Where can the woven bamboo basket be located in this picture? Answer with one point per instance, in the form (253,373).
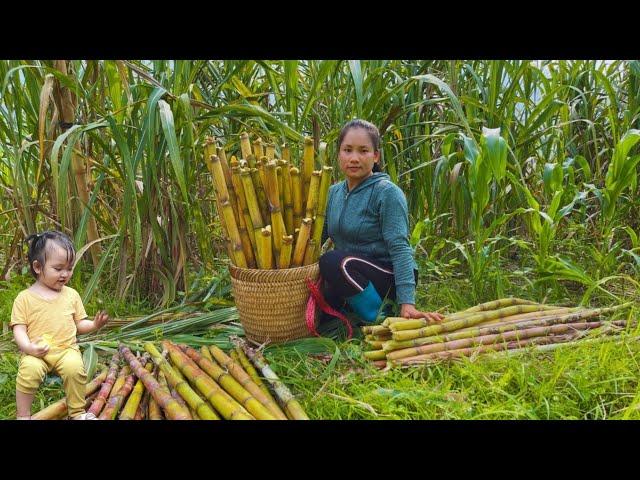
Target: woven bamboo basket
(272,303)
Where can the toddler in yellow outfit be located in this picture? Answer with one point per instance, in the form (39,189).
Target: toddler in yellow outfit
(45,319)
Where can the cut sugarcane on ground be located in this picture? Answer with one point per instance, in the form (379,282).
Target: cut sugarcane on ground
(272,211)
(182,383)
(504,324)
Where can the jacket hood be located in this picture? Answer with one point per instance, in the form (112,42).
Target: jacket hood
(369,181)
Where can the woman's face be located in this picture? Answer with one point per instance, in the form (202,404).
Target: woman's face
(357,156)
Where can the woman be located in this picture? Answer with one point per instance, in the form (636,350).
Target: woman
(367,220)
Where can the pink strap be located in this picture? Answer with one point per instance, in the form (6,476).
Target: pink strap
(316,299)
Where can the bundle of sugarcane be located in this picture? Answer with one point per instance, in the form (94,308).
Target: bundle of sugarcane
(503,324)
(272,208)
(181,383)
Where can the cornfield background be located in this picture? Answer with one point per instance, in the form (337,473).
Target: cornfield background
(521,176)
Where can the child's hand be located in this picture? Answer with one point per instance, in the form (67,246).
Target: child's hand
(101,319)
(37,349)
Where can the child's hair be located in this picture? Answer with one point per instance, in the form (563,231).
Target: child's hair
(38,247)
(372,131)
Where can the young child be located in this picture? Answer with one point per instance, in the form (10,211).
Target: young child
(45,319)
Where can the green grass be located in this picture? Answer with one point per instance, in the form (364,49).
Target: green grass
(578,382)
(597,380)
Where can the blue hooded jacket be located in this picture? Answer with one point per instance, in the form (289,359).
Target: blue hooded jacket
(373,220)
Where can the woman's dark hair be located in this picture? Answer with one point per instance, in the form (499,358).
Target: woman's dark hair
(372,131)
(38,247)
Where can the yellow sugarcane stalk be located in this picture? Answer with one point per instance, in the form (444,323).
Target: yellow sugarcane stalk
(296,194)
(206,353)
(280,186)
(238,355)
(270,151)
(307,165)
(323,195)
(243,208)
(291,406)
(224,203)
(192,399)
(235,369)
(301,242)
(310,252)
(245,238)
(258,185)
(162,397)
(245,145)
(287,199)
(312,194)
(262,171)
(223,403)
(467,321)
(285,251)
(258,151)
(285,153)
(226,170)
(230,385)
(252,205)
(131,407)
(162,380)
(277,222)
(265,249)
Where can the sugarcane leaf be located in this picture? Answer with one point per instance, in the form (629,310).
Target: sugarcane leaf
(326,66)
(244,110)
(455,103)
(291,84)
(86,247)
(356,75)
(168,127)
(90,360)
(93,281)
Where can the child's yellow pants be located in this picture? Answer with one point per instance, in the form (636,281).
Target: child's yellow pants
(67,363)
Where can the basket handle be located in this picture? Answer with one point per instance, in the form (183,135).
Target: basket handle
(316,299)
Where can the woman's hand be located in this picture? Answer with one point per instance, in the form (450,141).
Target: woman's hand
(100,320)
(407,310)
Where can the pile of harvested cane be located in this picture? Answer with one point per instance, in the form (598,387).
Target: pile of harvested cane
(181,383)
(271,211)
(505,324)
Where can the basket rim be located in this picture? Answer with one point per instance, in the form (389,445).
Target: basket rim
(292,269)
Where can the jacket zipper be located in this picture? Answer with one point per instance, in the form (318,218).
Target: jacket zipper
(346,198)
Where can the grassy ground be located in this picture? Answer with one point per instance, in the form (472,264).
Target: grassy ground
(593,380)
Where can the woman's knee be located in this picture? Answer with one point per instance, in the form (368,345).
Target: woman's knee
(329,263)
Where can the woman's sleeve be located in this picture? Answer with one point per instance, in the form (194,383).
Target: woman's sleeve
(394,219)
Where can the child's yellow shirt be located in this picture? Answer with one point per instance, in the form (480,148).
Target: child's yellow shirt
(56,318)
